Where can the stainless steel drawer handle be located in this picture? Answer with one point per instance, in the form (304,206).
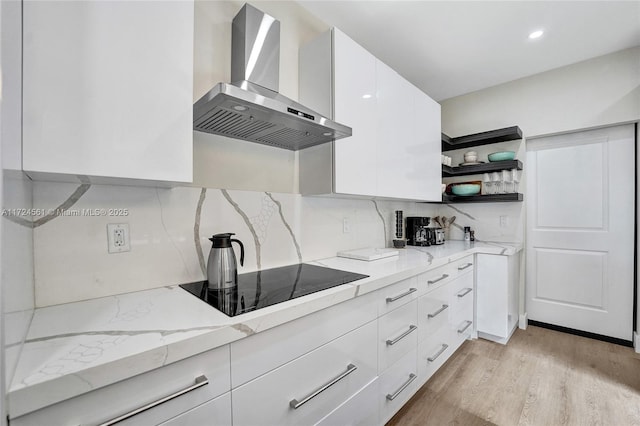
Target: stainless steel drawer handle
(462,268)
(439,279)
(392,396)
(435,314)
(400,296)
(465,291)
(467,324)
(391,342)
(442,349)
(295,404)
(199,382)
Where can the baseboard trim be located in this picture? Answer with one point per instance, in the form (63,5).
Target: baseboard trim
(523,321)
(636,341)
(615,340)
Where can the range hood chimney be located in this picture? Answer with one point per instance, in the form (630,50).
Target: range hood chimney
(250,108)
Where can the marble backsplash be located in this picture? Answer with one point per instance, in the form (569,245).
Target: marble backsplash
(169,231)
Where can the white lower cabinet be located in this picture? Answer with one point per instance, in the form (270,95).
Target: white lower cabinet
(360,409)
(308,388)
(215,412)
(397,384)
(433,352)
(264,351)
(397,334)
(445,317)
(497,300)
(176,389)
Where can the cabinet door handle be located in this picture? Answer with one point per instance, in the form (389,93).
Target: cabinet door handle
(465,291)
(462,268)
(435,314)
(199,382)
(295,404)
(391,342)
(392,396)
(439,279)
(400,296)
(467,324)
(442,349)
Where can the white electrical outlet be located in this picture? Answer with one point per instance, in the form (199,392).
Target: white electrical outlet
(504,221)
(346,226)
(118,237)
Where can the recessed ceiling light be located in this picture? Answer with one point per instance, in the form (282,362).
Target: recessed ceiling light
(240,107)
(366,96)
(327,133)
(536,34)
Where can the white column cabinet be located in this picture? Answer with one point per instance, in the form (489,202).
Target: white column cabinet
(394,151)
(108,89)
(497,296)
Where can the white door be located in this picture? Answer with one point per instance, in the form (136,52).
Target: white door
(580,231)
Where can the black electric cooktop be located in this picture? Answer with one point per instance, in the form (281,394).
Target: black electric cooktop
(270,286)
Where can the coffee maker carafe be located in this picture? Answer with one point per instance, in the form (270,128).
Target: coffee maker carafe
(222,269)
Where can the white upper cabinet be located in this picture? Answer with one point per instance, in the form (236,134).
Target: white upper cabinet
(396,137)
(423,163)
(354,82)
(108,89)
(394,151)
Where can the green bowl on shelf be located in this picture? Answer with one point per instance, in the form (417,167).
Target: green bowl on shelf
(501,156)
(466,189)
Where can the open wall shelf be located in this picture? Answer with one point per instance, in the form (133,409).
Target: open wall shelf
(494,198)
(475,169)
(478,139)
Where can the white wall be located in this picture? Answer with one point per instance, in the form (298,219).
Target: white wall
(592,93)
(221,162)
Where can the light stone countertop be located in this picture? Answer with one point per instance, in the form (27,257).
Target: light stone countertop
(77,347)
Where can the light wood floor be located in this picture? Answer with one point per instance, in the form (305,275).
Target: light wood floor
(541,377)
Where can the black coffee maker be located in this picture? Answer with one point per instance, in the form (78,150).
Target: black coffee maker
(418,232)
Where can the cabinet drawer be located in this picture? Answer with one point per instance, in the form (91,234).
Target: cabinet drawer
(433,352)
(315,383)
(436,278)
(463,329)
(128,395)
(462,266)
(396,295)
(397,385)
(267,350)
(215,412)
(461,293)
(433,312)
(397,334)
(360,409)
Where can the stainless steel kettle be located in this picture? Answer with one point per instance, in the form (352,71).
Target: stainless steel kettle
(222,269)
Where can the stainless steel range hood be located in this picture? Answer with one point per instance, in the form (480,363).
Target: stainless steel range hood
(250,108)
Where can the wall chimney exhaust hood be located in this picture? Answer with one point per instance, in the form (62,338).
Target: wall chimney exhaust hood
(250,108)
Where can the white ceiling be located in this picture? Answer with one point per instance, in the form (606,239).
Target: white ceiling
(448,48)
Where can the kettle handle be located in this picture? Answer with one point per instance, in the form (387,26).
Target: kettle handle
(233,240)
